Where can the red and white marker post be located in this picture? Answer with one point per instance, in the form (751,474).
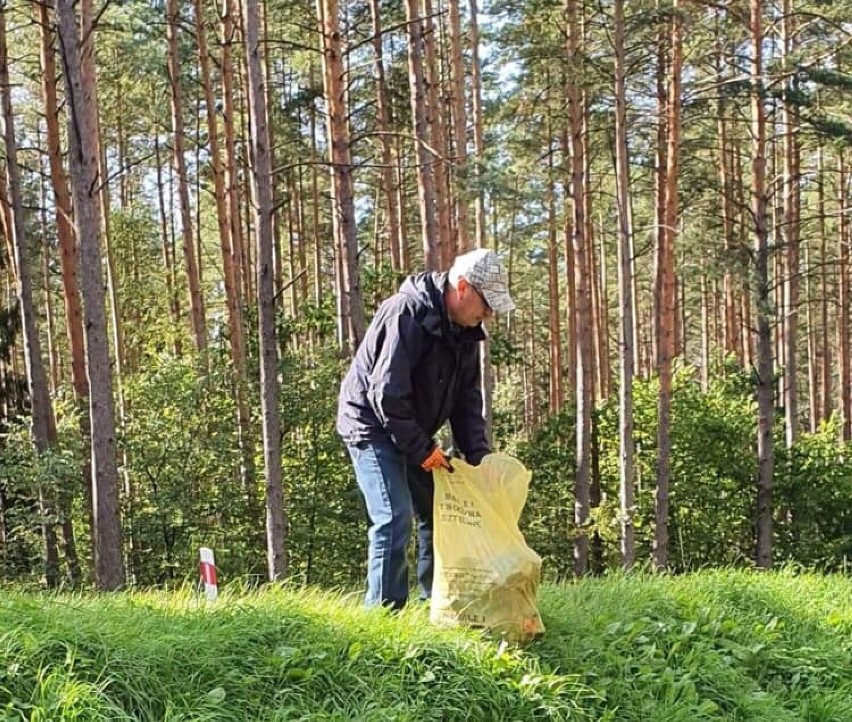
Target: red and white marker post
(207,571)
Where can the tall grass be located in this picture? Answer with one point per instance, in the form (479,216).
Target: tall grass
(714,645)
(273,655)
(731,645)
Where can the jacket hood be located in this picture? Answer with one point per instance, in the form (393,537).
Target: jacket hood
(427,291)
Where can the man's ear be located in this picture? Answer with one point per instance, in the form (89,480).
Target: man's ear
(462,286)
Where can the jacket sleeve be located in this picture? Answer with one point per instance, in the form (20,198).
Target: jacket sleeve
(467,420)
(389,389)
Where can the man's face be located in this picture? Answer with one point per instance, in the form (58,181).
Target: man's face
(472,308)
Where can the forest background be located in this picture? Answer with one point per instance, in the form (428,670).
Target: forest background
(203,203)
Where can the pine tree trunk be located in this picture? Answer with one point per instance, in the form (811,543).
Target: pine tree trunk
(315,200)
(233,295)
(811,337)
(477,118)
(584,320)
(276,514)
(383,122)
(825,336)
(791,237)
(661,167)
(843,344)
(417,93)
(591,261)
(83,153)
(603,314)
(436,133)
(570,272)
(196,307)
(459,123)
(554,326)
(765,385)
(168,250)
(665,294)
(67,253)
(48,309)
(341,175)
(43,426)
(626,353)
(89,84)
(233,208)
(732,343)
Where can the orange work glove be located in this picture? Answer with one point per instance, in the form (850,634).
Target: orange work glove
(436,460)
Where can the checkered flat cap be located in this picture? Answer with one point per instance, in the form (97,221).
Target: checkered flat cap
(483,269)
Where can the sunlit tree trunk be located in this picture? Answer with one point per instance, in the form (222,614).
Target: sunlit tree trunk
(479,197)
(303,235)
(625,301)
(477,120)
(233,295)
(168,251)
(765,382)
(417,93)
(661,165)
(585,372)
(231,164)
(43,424)
(591,261)
(89,83)
(459,107)
(554,325)
(315,204)
(825,335)
(843,350)
(276,519)
(745,230)
(777,258)
(731,338)
(791,234)
(383,122)
(343,201)
(811,340)
(68,256)
(665,294)
(401,197)
(48,309)
(570,272)
(83,154)
(244,160)
(196,308)
(436,133)
(291,204)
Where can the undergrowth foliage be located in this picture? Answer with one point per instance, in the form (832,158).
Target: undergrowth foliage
(712,487)
(186,484)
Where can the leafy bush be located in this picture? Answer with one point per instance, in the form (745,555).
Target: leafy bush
(712,481)
(813,500)
(183,471)
(327,519)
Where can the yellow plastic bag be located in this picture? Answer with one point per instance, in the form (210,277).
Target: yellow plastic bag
(485,574)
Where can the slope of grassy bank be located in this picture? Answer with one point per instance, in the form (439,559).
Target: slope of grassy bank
(714,645)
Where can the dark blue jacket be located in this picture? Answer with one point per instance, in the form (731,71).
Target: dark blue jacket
(413,371)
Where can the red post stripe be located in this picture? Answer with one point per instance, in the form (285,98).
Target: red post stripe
(208,573)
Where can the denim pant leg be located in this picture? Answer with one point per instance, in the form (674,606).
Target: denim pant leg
(422,486)
(380,469)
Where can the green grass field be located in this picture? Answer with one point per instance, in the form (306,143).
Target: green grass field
(709,646)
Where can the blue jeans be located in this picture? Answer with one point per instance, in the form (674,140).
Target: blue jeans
(393,490)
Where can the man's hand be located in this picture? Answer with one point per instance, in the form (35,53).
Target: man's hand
(436,460)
